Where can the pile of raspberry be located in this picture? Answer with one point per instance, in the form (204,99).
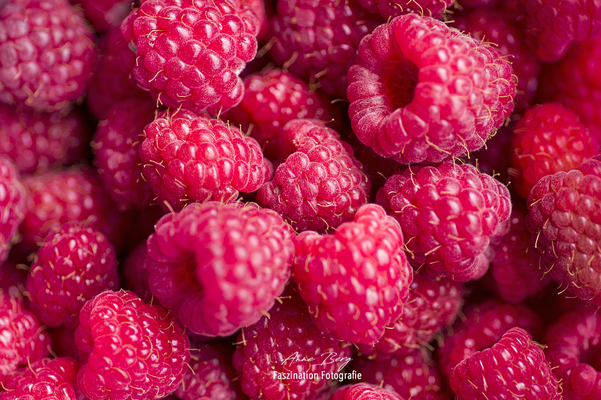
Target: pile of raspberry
(300,200)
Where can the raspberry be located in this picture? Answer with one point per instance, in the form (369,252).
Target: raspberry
(449,214)
(47,54)
(43,379)
(318,40)
(74,264)
(12,205)
(422,92)
(189,53)
(549,138)
(217,266)
(571,341)
(37,142)
(275,356)
(22,340)
(129,349)
(355,281)
(189,157)
(135,275)
(520,370)
(116,151)
(432,304)
(390,9)
(320,184)
(364,391)
(552,26)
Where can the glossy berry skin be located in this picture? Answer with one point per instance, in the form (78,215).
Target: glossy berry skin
(564,220)
(73,265)
(189,53)
(47,54)
(355,281)
(519,369)
(449,214)
(364,391)
(12,205)
(129,349)
(282,342)
(320,184)
(43,379)
(191,157)
(217,266)
(390,9)
(549,138)
(423,92)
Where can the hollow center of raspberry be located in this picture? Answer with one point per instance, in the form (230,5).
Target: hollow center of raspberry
(400,80)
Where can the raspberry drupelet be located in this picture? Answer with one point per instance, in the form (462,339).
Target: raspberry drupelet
(423,92)
(449,214)
(191,157)
(12,205)
(364,391)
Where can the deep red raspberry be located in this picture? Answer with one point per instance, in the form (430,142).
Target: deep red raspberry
(286,342)
(219,267)
(116,150)
(73,265)
(390,9)
(565,219)
(520,371)
(449,214)
(189,157)
(423,92)
(364,391)
(131,350)
(12,205)
(22,340)
(355,281)
(43,379)
(189,53)
(134,273)
(320,184)
(47,54)
(547,139)
(318,40)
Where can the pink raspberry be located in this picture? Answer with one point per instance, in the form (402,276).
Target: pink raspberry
(362,391)
(520,371)
(22,340)
(12,205)
(275,356)
(116,150)
(73,265)
(189,157)
(564,220)
(135,274)
(129,349)
(218,266)
(547,139)
(355,281)
(449,214)
(43,379)
(189,53)
(320,184)
(390,9)
(47,54)
(422,92)
(318,40)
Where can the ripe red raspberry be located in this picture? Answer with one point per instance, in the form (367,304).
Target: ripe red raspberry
(320,185)
(363,391)
(43,379)
(189,54)
(129,349)
(135,274)
(47,54)
(218,266)
(275,356)
(564,220)
(73,265)
(355,281)
(423,92)
(547,139)
(572,346)
(12,206)
(318,41)
(390,9)
(432,305)
(36,142)
(189,157)
(116,150)
(22,340)
(520,371)
(449,214)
